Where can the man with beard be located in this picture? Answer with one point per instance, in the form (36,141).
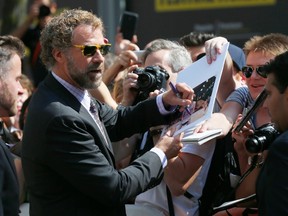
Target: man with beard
(11,52)
(67,156)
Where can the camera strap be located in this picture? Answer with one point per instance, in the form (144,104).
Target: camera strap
(256,161)
(170,202)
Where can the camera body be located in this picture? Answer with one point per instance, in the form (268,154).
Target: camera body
(44,11)
(261,139)
(150,78)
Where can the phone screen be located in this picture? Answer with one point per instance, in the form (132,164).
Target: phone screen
(128,24)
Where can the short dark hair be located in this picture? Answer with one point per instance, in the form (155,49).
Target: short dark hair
(9,45)
(279,68)
(195,39)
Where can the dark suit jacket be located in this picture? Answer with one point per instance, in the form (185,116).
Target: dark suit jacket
(272,183)
(68,167)
(9,190)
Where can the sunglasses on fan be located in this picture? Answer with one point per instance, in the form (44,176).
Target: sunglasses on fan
(248,70)
(90,50)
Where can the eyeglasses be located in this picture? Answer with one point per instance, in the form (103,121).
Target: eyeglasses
(248,70)
(91,50)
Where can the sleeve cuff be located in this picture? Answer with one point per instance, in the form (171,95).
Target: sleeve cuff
(161,156)
(161,106)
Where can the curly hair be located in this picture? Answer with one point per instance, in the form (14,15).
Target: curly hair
(58,32)
(273,43)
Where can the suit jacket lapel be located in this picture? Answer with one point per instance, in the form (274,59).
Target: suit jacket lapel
(61,91)
(83,112)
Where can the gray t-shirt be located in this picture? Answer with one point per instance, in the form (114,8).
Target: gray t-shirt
(244,98)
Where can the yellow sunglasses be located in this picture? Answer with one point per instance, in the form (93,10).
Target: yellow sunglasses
(91,49)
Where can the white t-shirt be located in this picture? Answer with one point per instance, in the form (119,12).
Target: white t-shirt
(157,198)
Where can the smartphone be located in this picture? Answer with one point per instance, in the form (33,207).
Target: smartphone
(128,24)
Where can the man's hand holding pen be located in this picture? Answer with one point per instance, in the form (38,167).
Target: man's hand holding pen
(182,97)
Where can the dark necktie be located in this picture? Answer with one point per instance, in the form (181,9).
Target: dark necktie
(95,114)
(1,127)
(3,131)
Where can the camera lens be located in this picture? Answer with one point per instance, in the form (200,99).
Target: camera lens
(149,79)
(261,139)
(145,81)
(256,144)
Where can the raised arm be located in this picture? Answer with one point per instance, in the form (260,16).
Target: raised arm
(124,60)
(182,171)
(32,15)
(227,83)
(223,119)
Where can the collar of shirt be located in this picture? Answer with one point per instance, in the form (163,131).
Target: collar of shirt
(82,96)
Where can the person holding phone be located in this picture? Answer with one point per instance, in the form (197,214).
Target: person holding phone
(40,13)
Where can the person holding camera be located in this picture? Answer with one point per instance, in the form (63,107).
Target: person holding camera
(137,85)
(187,171)
(40,12)
(162,61)
(272,182)
(258,50)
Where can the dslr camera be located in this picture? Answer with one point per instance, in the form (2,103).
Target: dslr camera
(261,139)
(150,78)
